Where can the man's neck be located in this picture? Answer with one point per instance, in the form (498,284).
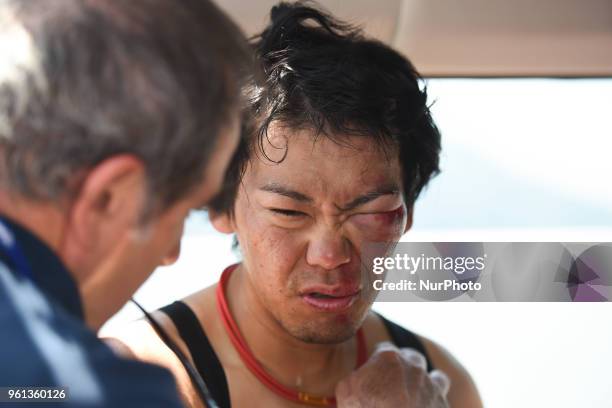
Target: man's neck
(315,368)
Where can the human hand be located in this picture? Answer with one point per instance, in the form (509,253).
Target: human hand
(394,377)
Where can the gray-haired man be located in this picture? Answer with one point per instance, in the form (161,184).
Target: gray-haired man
(116,119)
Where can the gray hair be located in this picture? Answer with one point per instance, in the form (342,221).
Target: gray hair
(81,81)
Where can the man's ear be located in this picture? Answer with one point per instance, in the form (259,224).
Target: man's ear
(409,219)
(111,199)
(222,221)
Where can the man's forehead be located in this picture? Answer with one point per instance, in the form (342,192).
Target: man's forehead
(327,167)
(308,144)
(311,141)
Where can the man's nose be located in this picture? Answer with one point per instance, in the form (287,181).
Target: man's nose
(173,255)
(328,249)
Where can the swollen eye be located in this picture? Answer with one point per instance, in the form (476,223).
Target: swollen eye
(382,218)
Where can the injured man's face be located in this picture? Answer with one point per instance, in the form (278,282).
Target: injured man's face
(301,217)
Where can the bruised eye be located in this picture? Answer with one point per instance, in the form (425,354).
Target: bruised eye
(378,218)
(287,213)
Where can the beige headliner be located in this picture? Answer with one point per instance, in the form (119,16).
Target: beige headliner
(476,37)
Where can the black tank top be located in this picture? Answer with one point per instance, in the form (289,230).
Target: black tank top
(209,366)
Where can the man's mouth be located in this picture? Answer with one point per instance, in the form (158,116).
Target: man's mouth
(331,300)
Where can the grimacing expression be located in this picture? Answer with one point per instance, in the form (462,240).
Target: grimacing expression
(301,224)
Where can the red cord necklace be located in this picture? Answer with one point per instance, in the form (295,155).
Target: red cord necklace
(253,365)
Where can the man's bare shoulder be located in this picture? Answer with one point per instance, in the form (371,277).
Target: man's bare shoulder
(203,303)
(140,341)
(463,392)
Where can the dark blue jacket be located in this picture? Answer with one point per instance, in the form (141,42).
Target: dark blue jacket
(45,343)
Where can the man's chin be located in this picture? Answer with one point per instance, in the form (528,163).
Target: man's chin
(318,338)
(324,333)
(326,327)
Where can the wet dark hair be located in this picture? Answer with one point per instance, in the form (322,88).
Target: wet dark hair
(324,75)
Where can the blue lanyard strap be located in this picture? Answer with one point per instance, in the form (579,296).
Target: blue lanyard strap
(9,245)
